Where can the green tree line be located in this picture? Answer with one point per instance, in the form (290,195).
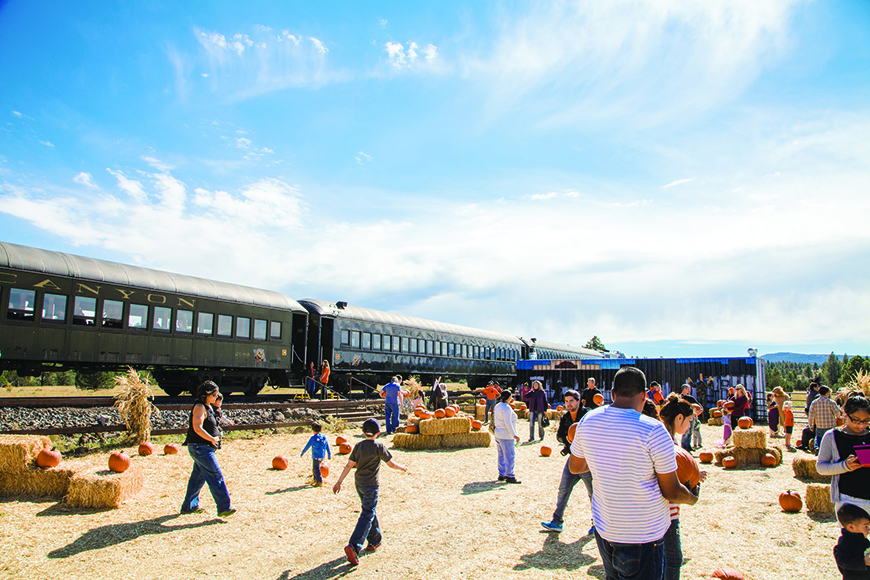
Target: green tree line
(836,372)
(84,381)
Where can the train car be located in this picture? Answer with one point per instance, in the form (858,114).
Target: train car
(366,347)
(542,349)
(60,311)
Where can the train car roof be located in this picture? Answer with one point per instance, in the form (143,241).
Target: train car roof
(589,352)
(330,309)
(81,268)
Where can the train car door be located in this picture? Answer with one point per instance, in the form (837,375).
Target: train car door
(327,326)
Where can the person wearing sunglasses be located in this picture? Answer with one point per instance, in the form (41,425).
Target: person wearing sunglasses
(838,458)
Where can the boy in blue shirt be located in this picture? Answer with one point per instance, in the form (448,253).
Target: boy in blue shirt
(366,457)
(319,451)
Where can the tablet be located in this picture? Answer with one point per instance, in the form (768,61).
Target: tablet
(863,453)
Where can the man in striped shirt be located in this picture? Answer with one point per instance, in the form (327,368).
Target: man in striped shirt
(633,458)
(823,414)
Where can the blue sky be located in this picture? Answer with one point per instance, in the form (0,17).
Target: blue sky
(680,178)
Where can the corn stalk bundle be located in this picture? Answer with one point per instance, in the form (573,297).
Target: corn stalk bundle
(860,382)
(133,405)
(819,498)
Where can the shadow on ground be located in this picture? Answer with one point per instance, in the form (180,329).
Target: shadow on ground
(555,555)
(332,569)
(481,486)
(285,490)
(105,536)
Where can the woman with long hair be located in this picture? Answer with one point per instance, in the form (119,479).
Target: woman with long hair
(676,414)
(741,401)
(779,397)
(837,456)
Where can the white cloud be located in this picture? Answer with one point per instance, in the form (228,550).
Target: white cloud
(400,57)
(17,114)
(156,163)
(243,143)
(678,182)
(362,158)
(129,186)
(319,46)
(47,144)
(86,179)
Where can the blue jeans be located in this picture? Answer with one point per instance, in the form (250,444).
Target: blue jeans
(391,414)
(566,486)
(673,552)
(205,470)
(315,469)
(686,441)
(507,453)
(535,419)
(819,434)
(631,561)
(490,409)
(367,527)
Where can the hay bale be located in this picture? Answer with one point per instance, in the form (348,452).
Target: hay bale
(50,482)
(819,498)
(554,415)
(18,452)
(410,441)
(445,426)
(715,421)
(523,414)
(805,468)
(412,420)
(95,488)
(750,438)
(744,455)
(466,440)
(480,412)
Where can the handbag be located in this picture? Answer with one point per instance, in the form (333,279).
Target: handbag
(544,421)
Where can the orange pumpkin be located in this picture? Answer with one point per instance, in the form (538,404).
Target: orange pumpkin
(440,414)
(344,449)
(698,409)
(280,463)
(425,415)
(324,470)
(687,468)
(146,448)
(790,502)
(768,460)
(706,456)
(406,394)
(476,425)
(728,405)
(729,462)
(744,423)
(598,399)
(727,574)
(411,428)
(546,451)
(119,462)
(170,449)
(482,402)
(560,408)
(571,430)
(716,414)
(418,412)
(340,439)
(449,412)
(48,458)
(720,402)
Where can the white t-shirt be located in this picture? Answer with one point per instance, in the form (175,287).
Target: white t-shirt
(505,420)
(625,450)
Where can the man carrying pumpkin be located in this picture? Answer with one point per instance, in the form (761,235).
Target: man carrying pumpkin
(634,466)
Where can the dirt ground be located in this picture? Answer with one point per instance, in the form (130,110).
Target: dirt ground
(445,518)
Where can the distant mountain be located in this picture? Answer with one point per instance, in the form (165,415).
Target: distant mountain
(796,357)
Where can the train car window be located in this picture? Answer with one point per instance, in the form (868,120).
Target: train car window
(441,349)
(376,342)
(405,346)
(345,337)
(396,345)
(138,317)
(464,351)
(113,314)
(54,307)
(205,323)
(259,329)
(162,319)
(429,347)
(243,327)
(367,340)
(275,330)
(450,349)
(22,304)
(412,345)
(354,339)
(225,325)
(184,321)
(84,311)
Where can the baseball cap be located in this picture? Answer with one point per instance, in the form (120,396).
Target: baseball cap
(371,427)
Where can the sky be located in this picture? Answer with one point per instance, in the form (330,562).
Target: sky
(677,177)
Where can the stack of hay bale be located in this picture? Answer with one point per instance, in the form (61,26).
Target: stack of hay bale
(749,446)
(554,414)
(818,495)
(98,488)
(716,415)
(19,474)
(521,409)
(447,433)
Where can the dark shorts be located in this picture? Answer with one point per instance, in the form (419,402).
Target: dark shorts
(789,429)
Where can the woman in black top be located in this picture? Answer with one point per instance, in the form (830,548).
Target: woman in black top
(203,439)
(837,457)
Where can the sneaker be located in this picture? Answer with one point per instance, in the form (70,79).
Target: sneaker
(371,548)
(317,484)
(351,554)
(591,531)
(502,477)
(198,510)
(512,480)
(227,513)
(552,526)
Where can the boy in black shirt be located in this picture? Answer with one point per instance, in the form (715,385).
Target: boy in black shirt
(850,549)
(366,457)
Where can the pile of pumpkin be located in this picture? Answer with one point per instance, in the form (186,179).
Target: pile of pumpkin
(748,446)
(521,409)
(716,418)
(449,427)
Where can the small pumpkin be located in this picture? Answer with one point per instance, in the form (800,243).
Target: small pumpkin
(720,402)
(170,449)
(716,413)
(449,412)
(598,399)
(729,405)
(571,430)
(768,460)
(418,412)
(476,425)
(744,423)
(406,394)
(727,574)
(706,456)
(324,470)
(48,458)
(697,408)
(340,439)
(729,462)
(440,414)
(344,449)
(119,462)
(382,395)
(560,408)
(425,415)
(687,468)
(146,448)
(482,402)
(790,502)
(546,450)
(411,428)
(280,463)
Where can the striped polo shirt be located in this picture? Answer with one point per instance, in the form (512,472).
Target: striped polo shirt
(625,450)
